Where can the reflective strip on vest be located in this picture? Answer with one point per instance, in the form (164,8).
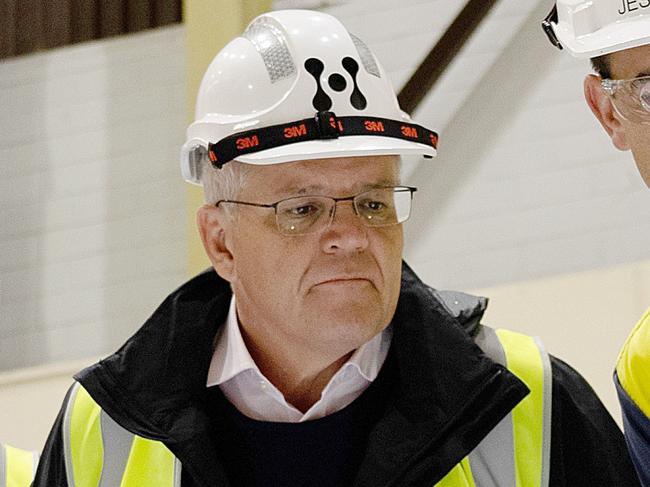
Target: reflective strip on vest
(100,453)
(517,452)
(531,418)
(17,467)
(459,476)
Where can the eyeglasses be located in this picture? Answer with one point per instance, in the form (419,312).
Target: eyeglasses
(631,98)
(302,215)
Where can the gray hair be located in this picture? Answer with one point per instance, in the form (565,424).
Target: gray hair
(225,183)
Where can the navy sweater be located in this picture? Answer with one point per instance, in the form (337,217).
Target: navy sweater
(325,452)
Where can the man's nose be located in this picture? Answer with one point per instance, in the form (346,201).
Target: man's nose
(346,232)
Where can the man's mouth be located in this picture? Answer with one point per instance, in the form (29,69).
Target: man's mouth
(343,280)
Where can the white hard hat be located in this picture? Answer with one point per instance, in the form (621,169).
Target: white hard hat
(591,28)
(296,85)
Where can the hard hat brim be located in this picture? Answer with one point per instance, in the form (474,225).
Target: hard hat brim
(355,146)
(614,37)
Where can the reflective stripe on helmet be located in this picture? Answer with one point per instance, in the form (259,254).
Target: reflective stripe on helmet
(367,59)
(516,453)
(100,453)
(273,49)
(17,467)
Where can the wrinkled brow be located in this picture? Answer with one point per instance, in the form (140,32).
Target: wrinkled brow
(319,189)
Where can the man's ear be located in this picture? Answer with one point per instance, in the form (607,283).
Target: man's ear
(213,223)
(602,108)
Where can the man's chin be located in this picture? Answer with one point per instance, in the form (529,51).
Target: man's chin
(347,299)
(348,335)
(351,320)
(355,309)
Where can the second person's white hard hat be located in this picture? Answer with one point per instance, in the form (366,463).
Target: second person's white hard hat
(591,28)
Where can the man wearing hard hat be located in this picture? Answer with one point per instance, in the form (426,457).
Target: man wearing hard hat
(310,354)
(615,34)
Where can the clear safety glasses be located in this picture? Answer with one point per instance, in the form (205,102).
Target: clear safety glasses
(302,215)
(631,98)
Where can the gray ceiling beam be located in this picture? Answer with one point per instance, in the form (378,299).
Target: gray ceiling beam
(443,53)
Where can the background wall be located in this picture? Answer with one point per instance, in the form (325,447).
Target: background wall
(527,203)
(91,205)
(30,25)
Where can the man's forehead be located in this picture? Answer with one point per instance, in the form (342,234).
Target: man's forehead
(630,63)
(321,188)
(320,176)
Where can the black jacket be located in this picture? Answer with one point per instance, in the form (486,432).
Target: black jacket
(450,395)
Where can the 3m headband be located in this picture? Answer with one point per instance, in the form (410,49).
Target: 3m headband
(325,125)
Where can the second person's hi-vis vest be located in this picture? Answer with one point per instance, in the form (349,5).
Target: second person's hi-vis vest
(516,453)
(17,466)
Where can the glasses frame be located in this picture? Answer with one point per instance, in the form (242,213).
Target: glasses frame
(410,189)
(611,86)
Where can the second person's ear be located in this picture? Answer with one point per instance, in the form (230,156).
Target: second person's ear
(602,107)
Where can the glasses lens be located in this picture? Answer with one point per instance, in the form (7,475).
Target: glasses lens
(632,99)
(384,206)
(298,216)
(644,96)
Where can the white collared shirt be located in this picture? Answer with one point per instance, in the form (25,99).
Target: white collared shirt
(233,369)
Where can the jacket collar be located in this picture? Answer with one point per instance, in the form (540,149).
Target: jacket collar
(450,394)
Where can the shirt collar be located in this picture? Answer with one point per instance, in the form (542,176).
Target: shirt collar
(369,357)
(231,357)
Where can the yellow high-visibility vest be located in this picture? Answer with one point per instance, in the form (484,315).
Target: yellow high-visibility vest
(516,453)
(17,467)
(633,365)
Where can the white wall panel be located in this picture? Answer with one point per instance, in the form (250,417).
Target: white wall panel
(92,235)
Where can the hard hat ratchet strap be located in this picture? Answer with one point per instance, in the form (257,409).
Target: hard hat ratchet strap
(325,125)
(547,26)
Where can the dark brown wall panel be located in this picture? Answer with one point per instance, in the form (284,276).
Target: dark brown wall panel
(56,23)
(8,28)
(31,25)
(138,15)
(166,12)
(84,22)
(111,17)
